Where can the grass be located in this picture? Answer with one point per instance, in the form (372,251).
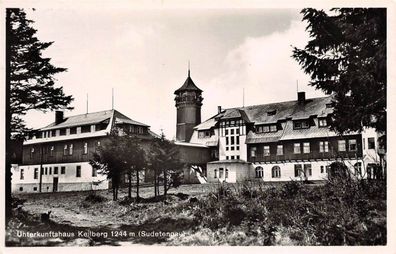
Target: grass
(336,213)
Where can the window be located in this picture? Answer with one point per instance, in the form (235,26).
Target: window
(35,176)
(352,145)
(78,171)
(279,150)
(259,172)
(308,170)
(322,169)
(237,140)
(323,146)
(34,188)
(140,130)
(31,152)
(226,173)
(273,128)
(70,149)
(94,172)
(341,146)
(50,170)
(232,140)
(271,112)
(215,173)
(358,168)
(322,122)
(266,151)
(232,131)
(46,170)
(65,150)
(85,151)
(227,141)
(253,152)
(20,188)
(227,148)
(297,170)
(327,168)
(55,170)
(232,148)
(53,133)
(237,147)
(371,143)
(22,174)
(227,157)
(237,131)
(297,148)
(73,130)
(52,148)
(85,128)
(300,124)
(232,157)
(237,157)
(226,132)
(306,147)
(62,132)
(221,172)
(63,170)
(276,173)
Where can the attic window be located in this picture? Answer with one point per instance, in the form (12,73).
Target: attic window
(304,124)
(271,112)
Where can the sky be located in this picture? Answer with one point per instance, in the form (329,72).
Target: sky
(144,55)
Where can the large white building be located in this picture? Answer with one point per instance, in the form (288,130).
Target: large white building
(273,142)
(62,150)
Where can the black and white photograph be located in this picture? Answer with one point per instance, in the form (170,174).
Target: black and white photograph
(194,124)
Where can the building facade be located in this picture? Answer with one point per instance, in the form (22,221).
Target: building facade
(56,157)
(281,142)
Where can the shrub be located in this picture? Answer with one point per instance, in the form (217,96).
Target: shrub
(95,198)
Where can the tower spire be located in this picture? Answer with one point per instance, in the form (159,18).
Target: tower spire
(188,68)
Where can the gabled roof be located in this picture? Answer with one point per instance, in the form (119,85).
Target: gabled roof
(274,112)
(92,118)
(188,86)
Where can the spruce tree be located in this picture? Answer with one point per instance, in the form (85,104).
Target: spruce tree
(346,57)
(30,82)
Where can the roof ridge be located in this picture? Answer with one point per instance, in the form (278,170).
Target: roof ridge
(266,104)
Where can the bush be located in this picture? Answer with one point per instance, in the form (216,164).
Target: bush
(95,198)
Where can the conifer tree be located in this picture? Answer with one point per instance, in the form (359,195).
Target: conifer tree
(346,57)
(30,82)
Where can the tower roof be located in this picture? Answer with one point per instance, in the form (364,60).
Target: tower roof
(188,85)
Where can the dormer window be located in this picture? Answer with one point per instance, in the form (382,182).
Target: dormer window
(322,122)
(205,134)
(302,124)
(266,128)
(271,112)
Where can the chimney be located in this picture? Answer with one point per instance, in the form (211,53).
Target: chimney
(218,109)
(58,117)
(301,97)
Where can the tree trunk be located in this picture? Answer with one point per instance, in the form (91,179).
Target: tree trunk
(129,184)
(155,182)
(114,194)
(137,185)
(8,173)
(165,183)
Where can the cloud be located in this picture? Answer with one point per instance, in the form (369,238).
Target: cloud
(264,68)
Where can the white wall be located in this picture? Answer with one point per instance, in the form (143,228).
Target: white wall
(66,182)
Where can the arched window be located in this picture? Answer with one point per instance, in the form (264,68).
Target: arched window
(259,172)
(358,168)
(276,172)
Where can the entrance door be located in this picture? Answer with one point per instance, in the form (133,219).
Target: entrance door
(55,184)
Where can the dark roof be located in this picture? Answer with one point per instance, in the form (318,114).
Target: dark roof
(92,118)
(274,112)
(188,86)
